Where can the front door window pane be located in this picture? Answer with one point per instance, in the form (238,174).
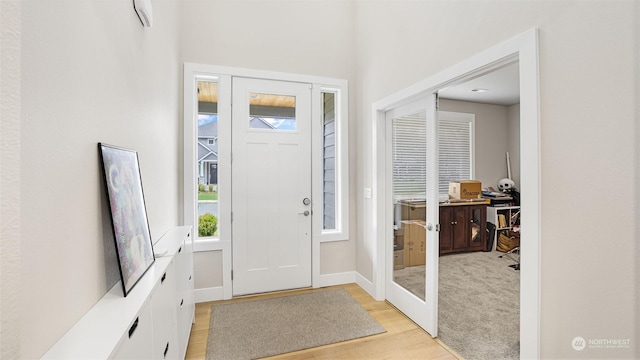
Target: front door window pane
(272,112)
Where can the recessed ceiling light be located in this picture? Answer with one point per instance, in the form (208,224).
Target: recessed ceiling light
(479,90)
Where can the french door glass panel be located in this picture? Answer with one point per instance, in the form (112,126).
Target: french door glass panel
(412,209)
(409,158)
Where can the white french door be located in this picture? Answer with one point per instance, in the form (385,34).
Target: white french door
(412,241)
(271,177)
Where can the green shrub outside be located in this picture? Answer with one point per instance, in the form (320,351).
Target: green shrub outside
(207,224)
(210,187)
(200,187)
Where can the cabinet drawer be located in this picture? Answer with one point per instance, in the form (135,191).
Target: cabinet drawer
(137,342)
(164,314)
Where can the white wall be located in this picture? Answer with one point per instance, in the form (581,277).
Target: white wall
(303,37)
(10,271)
(88,73)
(588,92)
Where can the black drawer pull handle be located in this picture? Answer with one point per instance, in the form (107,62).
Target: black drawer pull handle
(164,276)
(133,328)
(189,277)
(180,250)
(181,302)
(166,350)
(188,234)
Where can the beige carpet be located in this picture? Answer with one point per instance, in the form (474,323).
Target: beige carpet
(479,303)
(258,328)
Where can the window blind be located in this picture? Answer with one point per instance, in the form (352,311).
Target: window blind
(455,152)
(409,154)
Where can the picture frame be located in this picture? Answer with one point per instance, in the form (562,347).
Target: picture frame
(123,184)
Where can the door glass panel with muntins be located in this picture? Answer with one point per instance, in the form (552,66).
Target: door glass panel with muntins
(271,174)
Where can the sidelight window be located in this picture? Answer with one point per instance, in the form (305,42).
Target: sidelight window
(206,160)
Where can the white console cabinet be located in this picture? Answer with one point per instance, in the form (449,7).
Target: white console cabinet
(152,322)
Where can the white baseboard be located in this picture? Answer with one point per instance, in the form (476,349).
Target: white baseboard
(366,285)
(335,279)
(349,277)
(208,294)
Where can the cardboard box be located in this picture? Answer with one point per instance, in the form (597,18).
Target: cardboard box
(465,189)
(415,243)
(413,210)
(398,259)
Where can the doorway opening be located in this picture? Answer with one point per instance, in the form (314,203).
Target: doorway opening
(479,289)
(521,49)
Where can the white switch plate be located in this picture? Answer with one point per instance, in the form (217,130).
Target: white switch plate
(367,193)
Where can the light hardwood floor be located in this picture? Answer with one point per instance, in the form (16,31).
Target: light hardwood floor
(402,340)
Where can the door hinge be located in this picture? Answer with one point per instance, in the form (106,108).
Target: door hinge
(232,216)
(437,227)
(437,102)
(231,274)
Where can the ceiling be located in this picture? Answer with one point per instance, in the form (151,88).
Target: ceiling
(502,85)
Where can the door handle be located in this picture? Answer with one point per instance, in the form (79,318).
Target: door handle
(306,201)
(305,213)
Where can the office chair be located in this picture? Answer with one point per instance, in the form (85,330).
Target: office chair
(509,253)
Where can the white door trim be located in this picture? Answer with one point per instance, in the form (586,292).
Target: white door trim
(523,48)
(194,71)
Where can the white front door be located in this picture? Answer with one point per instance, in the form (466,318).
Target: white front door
(271,191)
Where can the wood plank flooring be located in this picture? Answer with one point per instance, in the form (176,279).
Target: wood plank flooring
(403,339)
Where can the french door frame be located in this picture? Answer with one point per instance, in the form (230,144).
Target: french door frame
(524,49)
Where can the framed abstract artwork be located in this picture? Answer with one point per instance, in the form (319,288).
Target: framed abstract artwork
(123,183)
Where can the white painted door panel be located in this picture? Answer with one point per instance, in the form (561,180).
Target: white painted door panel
(271,176)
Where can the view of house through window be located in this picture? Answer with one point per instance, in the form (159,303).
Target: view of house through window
(207,159)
